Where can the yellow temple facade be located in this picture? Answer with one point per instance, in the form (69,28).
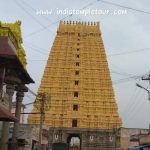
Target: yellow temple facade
(77,81)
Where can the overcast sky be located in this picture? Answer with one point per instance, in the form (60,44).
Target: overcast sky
(126,39)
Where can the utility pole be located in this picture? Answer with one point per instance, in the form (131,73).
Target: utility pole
(42,100)
(140,86)
(146,77)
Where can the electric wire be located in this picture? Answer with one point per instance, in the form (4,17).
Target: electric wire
(125,74)
(29,103)
(128,8)
(37,47)
(132,105)
(122,6)
(136,107)
(46,27)
(139,109)
(135,103)
(36,50)
(33,17)
(128,52)
(34,10)
(130,101)
(32,92)
(130,78)
(37,60)
(28,97)
(125,80)
(92,3)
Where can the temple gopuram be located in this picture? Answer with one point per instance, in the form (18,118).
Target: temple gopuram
(80,101)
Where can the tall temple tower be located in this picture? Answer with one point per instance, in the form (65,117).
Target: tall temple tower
(77,79)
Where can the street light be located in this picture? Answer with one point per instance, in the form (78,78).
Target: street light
(140,86)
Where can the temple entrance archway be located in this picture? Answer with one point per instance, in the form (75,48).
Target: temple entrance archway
(74,142)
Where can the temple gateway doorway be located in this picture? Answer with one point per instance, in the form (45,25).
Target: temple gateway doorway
(82,139)
(74,142)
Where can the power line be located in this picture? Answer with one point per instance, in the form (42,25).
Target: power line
(122,6)
(34,18)
(47,19)
(136,107)
(118,68)
(28,96)
(134,93)
(90,4)
(131,103)
(120,82)
(37,60)
(36,50)
(125,74)
(32,92)
(117,54)
(130,78)
(29,103)
(37,47)
(121,72)
(125,80)
(46,27)
(128,52)
(134,104)
(109,55)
